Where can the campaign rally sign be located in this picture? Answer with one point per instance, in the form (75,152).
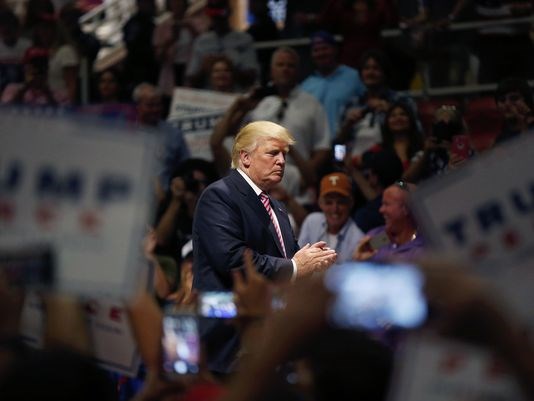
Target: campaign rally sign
(82,187)
(195,113)
(483,213)
(113,343)
(433,369)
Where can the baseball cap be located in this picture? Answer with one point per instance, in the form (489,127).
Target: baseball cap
(322,37)
(336,183)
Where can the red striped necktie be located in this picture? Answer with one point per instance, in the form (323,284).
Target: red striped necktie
(267,203)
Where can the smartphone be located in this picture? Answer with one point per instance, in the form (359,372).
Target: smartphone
(379,240)
(340,152)
(460,146)
(217,304)
(180,345)
(28,266)
(376,296)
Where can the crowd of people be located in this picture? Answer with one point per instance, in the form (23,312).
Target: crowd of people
(320,173)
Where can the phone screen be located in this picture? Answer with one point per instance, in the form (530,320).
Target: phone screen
(379,240)
(339,152)
(460,146)
(376,296)
(181,345)
(217,304)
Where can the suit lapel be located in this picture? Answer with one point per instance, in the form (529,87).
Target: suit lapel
(249,197)
(254,202)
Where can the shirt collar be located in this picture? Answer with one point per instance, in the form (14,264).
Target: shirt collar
(334,72)
(256,189)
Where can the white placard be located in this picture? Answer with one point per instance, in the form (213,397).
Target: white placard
(83,187)
(484,213)
(114,346)
(434,369)
(195,112)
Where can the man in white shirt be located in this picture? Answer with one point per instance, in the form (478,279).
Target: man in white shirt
(290,107)
(333,224)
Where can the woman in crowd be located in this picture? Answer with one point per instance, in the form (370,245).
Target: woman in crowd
(401,137)
(221,75)
(401,134)
(361,128)
(447,147)
(110,102)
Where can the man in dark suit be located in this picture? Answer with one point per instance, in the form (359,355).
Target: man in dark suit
(235,213)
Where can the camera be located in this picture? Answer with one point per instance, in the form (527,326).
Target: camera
(374,296)
(180,345)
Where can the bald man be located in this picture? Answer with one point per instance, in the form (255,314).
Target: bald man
(398,239)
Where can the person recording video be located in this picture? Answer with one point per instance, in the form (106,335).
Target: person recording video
(284,103)
(447,147)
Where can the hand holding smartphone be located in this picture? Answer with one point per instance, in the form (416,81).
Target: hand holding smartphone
(379,240)
(376,296)
(180,345)
(217,304)
(460,146)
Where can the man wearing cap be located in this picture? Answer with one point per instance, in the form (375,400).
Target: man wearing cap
(332,84)
(333,224)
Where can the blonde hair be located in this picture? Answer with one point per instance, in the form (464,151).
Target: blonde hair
(252,134)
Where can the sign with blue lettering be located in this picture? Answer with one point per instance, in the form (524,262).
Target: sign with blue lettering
(195,112)
(82,186)
(484,214)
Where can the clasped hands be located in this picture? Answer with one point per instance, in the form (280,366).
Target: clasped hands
(314,258)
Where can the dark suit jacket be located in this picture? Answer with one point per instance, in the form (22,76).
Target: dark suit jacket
(228,219)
